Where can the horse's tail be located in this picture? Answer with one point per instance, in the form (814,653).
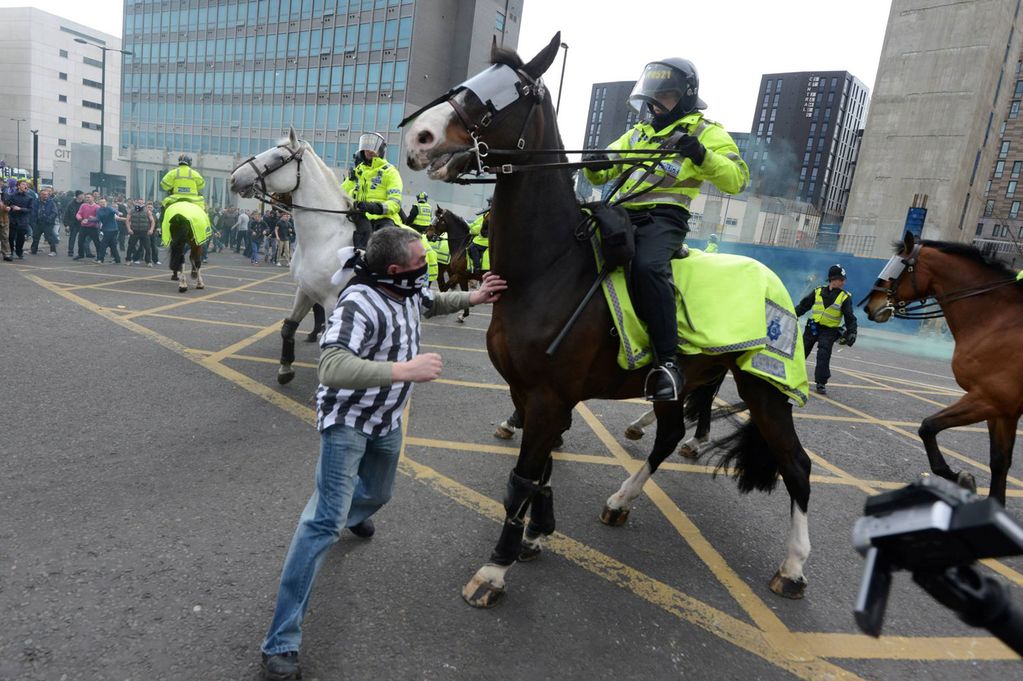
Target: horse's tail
(749,457)
(701,400)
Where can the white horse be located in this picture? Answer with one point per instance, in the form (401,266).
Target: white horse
(322,226)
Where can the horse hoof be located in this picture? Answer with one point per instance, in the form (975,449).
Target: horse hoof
(687,452)
(284,376)
(460,319)
(182,286)
(530,552)
(200,284)
(312,338)
(967,481)
(788,588)
(503,432)
(480,593)
(615,517)
(633,433)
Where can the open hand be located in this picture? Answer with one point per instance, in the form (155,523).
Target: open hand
(489,290)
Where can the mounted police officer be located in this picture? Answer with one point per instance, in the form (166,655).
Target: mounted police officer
(375,186)
(830,304)
(658,199)
(183,183)
(479,230)
(421,215)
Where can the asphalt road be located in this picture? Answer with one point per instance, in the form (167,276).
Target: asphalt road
(154,472)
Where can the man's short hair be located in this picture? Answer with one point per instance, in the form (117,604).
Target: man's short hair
(389,246)
(78,192)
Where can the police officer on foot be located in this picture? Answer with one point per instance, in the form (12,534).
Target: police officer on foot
(830,304)
(712,244)
(183,183)
(421,215)
(658,200)
(375,186)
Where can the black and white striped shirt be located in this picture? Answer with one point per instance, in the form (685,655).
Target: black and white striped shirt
(372,326)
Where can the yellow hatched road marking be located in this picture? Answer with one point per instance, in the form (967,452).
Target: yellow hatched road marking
(210,297)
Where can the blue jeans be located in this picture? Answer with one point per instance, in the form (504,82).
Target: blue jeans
(354,478)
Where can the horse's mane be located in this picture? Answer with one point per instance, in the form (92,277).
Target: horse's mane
(966,251)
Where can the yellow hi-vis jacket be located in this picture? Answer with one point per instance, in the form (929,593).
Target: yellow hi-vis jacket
(183,184)
(830,316)
(424,217)
(377,181)
(676,180)
(476,230)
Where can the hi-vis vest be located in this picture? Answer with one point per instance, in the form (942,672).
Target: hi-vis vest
(476,231)
(183,183)
(675,180)
(378,181)
(830,316)
(425,215)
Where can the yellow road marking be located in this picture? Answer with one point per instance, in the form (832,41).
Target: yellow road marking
(907,393)
(453,347)
(740,591)
(793,646)
(203,321)
(198,299)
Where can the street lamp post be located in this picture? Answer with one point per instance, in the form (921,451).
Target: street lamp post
(35,159)
(102,102)
(561,84)
(18,141)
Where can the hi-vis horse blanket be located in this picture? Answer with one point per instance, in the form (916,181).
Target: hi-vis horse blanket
(725,303)
(202,230)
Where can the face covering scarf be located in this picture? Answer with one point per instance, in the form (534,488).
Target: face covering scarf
(402,284)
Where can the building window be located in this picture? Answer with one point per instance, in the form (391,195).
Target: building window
(499,22)
(1018,92)
(92,62)
(1014,210)
(1010,190)
(980,229)
(62,75)
(90,126)
(92,83)
(61,142)
(1004,151)
(989,208)
(731,222)
(1016,167)
(63,53)
(61,120)
(1014,109)
(62,98)
(91,105)
(999,169)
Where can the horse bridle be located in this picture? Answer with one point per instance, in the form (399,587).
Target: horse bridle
(896,268)
(263,194)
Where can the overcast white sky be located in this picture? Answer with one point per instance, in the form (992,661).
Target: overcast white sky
(732,42)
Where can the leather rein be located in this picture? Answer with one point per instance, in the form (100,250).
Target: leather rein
(261,192)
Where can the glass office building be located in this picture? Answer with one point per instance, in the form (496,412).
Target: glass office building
(224,80)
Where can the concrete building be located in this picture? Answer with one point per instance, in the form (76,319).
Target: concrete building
(52,84)
(607,118)
(807,124)
(944,82)
(224,81)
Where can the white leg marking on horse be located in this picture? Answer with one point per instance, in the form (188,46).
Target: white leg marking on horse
(634,431)
(493,574)
(630,489)
(799,546)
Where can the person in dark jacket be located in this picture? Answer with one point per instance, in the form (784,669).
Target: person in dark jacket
(830,304)
(44,221)
(22,205)
(70,220)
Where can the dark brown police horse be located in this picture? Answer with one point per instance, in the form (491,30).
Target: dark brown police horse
(455,274)
(983,305)
(532,224)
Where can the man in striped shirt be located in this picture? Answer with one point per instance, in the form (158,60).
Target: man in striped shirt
(369,362)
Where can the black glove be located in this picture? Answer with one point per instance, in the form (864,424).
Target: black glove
(598,161)
(351,174)
(690,147)
(850,339)
(374,207)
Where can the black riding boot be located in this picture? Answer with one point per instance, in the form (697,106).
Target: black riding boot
(665,381)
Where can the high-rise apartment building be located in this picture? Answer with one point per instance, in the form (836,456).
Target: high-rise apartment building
(224,80)
(806,127)
(52,84)
(944,86)
(607,119)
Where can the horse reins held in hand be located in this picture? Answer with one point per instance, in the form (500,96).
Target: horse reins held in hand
(264,195)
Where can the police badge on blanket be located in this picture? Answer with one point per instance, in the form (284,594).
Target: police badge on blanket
(726,303)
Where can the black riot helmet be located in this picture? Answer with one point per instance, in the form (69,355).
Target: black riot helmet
(185,159)
(665,82)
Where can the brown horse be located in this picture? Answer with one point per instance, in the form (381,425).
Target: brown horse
(181,237)
(454,274)
(533,246)
(983,305)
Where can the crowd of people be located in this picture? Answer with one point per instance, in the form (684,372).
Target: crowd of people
(113,228)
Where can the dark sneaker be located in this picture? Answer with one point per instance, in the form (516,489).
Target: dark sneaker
(821,390)
(281,667)
(8,258)
(664,383)
(364,530)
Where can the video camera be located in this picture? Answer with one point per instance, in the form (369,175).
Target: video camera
(937,531)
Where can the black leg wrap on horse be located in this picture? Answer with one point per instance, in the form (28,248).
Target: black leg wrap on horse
(509,546)
(541,512)
(288,329)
